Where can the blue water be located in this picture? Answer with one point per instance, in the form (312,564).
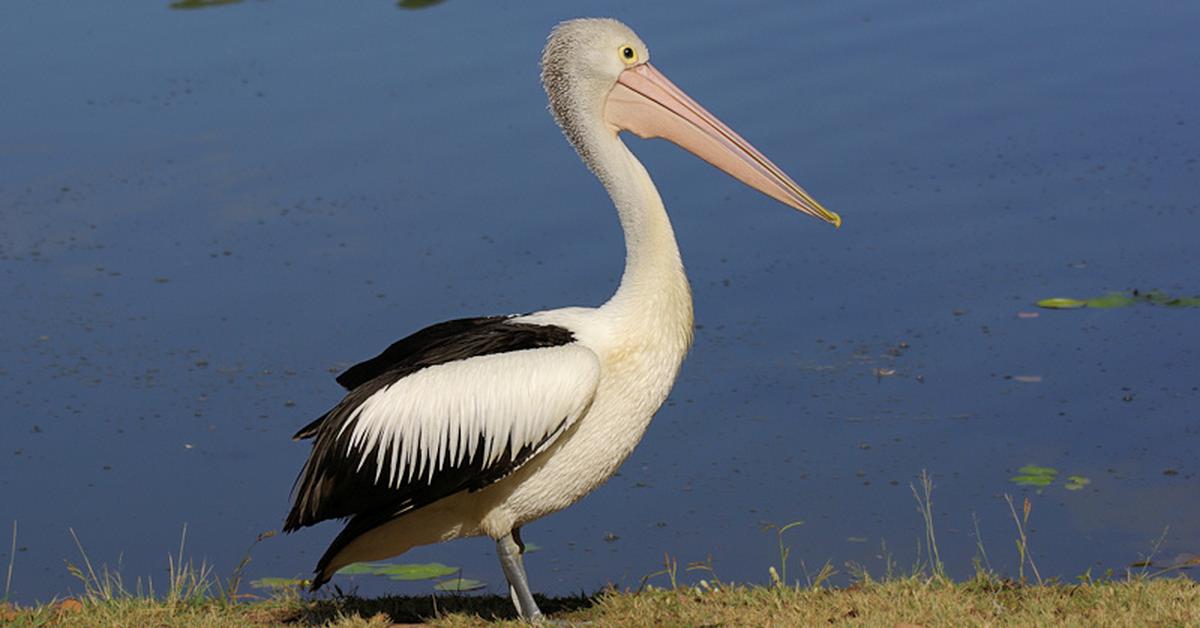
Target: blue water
(205,214)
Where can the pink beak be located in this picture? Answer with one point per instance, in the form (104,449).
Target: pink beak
(648,104)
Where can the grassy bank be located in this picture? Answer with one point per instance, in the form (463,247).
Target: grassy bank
(1150,593)
(918,601)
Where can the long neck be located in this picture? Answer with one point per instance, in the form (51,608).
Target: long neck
(654,292)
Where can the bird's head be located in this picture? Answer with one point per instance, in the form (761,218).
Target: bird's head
(599,70)
(583,60)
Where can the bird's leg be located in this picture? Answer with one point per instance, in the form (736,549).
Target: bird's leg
(510,548)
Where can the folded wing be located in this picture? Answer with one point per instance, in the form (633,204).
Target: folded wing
(396,444)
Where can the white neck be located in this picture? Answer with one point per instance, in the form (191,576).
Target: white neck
(654,292)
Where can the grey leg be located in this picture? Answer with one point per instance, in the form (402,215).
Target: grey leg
(509,550)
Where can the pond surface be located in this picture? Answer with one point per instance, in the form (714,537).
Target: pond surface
(205,214)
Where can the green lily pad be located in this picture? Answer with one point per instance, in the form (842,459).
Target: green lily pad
(354,569)
(415,571)
(460,585)
(1033,469)
(1061,303)
(277,583)
(1120,299)
(400,571)
(1110,301)
(1077,482)
(1157,297)
(1033,475)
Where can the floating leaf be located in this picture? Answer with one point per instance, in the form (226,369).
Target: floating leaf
(1077,482)
(354,569)
(1033,469)
(1039,481)
(1110,301)
(1120,299)
(1033,475)
(1061,303)
(460,585)
(1157,297)
(396,571)
(416,571)
(277,583)
(1185,560)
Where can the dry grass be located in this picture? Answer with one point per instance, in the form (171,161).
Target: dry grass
(920,601)
(914,601)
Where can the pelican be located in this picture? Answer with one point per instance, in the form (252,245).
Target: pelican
(478,426)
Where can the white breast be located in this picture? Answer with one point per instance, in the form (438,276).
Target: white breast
(638,365)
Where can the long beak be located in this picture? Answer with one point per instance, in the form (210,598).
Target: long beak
(647,104)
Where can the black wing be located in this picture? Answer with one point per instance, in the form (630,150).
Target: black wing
(458,339)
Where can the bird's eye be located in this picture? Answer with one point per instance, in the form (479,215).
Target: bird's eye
(628,55)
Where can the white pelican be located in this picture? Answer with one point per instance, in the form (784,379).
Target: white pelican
(480,425)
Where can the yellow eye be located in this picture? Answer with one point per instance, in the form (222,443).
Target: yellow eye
(628,54)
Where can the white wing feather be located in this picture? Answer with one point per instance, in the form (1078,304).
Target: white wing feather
(439,416)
